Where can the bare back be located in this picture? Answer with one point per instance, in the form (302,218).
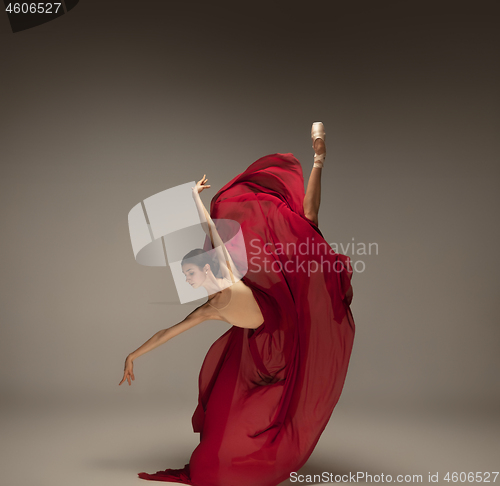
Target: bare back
(237,306)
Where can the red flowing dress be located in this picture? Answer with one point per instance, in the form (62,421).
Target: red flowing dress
(266,395)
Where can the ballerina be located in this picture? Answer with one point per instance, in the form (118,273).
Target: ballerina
(268,385)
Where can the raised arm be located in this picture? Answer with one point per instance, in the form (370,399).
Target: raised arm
(228,268)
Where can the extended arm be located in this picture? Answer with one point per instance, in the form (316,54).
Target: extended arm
(199,315)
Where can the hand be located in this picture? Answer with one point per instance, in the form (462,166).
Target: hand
(201,184)
(128,371)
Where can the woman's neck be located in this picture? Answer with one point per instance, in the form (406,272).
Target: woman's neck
(213,287)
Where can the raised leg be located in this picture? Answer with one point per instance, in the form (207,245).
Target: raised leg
(312,198)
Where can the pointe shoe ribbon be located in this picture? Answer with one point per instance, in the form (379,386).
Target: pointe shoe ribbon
(318,131)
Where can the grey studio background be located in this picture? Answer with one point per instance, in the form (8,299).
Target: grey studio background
(117,101)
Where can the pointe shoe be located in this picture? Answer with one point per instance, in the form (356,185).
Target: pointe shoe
(318,131)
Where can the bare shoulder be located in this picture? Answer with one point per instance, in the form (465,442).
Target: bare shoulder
(207,313)
(200,314)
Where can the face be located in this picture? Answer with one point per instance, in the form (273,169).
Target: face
(195,276)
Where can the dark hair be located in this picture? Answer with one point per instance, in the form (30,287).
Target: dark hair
(200,258)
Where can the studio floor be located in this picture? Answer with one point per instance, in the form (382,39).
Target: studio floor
(105,440)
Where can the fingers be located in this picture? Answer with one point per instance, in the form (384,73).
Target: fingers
(200,185)
(126,377)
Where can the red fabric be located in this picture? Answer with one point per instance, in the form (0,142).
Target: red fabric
(266,395)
